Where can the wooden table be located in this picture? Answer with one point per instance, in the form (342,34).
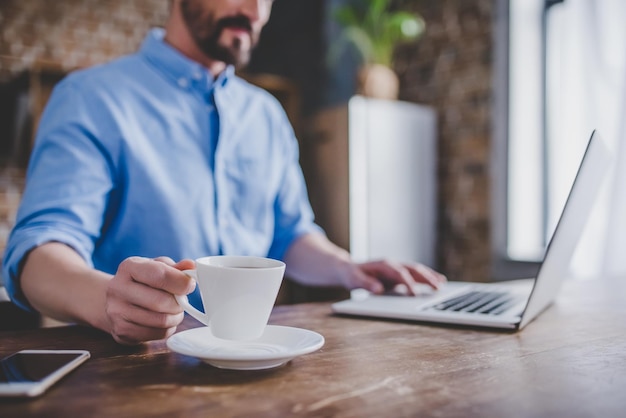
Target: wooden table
(570,362)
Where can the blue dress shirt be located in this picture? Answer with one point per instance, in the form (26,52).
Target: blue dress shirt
(149,155)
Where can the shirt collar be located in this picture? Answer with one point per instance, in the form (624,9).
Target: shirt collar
(186,73)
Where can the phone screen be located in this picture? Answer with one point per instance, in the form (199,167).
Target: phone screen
(32,367)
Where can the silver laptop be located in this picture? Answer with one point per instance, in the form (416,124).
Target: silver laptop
(503,305)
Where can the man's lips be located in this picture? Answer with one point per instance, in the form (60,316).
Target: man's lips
(236,24)
(238,29)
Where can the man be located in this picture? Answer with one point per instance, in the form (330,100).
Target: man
(167,152)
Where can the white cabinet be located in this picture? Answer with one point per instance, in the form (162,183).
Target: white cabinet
(372,178)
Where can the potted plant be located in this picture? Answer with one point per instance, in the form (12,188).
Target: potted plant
(374,31)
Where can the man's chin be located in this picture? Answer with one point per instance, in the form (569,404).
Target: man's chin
(240,49)
(237,57)
(234,35)
(238,60)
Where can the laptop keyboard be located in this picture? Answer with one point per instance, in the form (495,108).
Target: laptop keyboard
(483,302)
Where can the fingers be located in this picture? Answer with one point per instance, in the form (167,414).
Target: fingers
(166,260)
(426,275)
(140,304)
(157,274)
(185,264)
(133,335)
(146,297)
(392,274)
(361,279)
(133,325)
(388,274)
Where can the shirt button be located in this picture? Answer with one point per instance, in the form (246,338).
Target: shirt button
(182,82)
(197,75)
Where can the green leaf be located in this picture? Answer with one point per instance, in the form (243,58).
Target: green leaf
(345,16)
(403,26)
(374,30)
(377,7)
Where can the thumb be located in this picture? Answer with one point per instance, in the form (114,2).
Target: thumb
(368,282)
(186,264)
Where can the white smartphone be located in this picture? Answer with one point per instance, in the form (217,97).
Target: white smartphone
(31,372)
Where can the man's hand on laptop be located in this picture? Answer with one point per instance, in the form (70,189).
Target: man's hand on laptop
(384,275)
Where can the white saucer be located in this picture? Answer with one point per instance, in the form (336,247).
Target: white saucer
(275,347)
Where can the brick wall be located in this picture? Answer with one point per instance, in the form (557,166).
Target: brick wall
(72,33)
(450,68)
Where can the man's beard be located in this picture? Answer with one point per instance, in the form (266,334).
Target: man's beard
(206,33)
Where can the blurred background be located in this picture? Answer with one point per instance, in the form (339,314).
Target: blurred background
(473,71)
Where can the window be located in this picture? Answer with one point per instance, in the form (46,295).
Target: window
(560,69)
(525,206)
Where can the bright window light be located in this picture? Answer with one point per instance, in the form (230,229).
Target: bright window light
(525,204)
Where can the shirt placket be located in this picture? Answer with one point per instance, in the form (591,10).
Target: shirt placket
(219,148)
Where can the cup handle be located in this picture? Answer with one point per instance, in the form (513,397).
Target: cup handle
(183,301)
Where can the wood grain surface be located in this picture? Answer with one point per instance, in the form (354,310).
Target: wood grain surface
(570,362)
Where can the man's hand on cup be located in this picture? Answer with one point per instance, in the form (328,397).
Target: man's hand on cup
(140,304)
(384,275)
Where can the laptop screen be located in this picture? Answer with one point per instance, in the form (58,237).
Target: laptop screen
(595,164)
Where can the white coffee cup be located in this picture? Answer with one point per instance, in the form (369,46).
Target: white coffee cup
(238,294)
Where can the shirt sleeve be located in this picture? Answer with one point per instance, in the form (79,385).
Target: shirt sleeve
(67,184)
(293,213)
